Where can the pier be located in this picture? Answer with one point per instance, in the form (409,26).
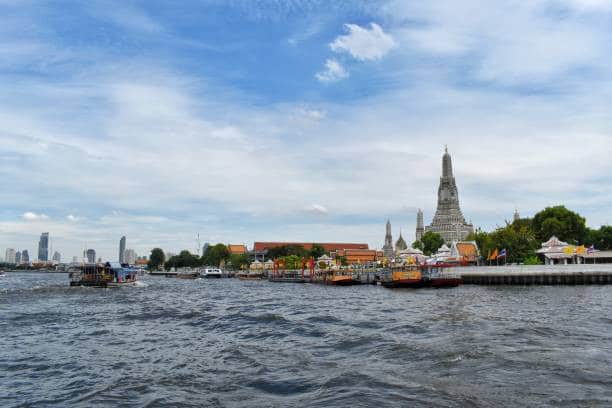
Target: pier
(580,274)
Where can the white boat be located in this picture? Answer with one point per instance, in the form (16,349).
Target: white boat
(211,273)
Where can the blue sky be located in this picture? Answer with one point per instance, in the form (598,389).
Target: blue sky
(295,120)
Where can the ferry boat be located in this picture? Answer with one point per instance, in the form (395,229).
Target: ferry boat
(212,273)
(438,276)
(342,277)
(250,275)
(408,276)
(106,275)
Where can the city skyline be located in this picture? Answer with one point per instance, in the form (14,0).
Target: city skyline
(145,126)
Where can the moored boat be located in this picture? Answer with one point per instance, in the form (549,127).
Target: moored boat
(438,276)
(212,273)
(408,276)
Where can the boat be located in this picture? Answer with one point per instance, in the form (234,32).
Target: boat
(211,273)
(102,275)
(287,276)
(407,276)
(341,277)
(187,274)
(250,275)
(438,276)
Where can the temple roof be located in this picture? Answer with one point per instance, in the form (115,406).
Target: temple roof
(400,244)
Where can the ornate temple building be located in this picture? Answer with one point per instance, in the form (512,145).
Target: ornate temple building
(448,220)
(400,244)
(388,247)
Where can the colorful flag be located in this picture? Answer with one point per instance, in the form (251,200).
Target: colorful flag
(569,250)
(502,253)
(591,249)
(580,250)
(493,255)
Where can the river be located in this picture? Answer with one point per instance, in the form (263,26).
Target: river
(231,343)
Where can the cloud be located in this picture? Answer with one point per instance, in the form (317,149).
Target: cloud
(363,44)
(30,216)
(72,218)
(334,71)
(316,209)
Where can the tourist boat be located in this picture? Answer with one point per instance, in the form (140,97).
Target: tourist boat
(250,275)
(212,273)
(408,276)
(438,276)
(341,277)
(187,274)
(106,275)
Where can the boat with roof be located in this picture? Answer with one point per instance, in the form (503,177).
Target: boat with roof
(102,275)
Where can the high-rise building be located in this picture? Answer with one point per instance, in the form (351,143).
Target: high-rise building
(205,247)
(420,227)
(448,220)
(25,257)
(43,247)
(122,249)
(90,255)
(129,256)
(17,258)
(57,257)
(9,256)
(388,247)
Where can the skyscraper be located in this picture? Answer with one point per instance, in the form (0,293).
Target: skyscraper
(448,220)
(90,254)
(43,247)
(57,257)
(17,258)
(129,256)
(122,250)
(9,256)
(388,247)
(25,257)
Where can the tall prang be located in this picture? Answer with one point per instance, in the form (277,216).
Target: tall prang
(448,220)
(388,247)
(420,227)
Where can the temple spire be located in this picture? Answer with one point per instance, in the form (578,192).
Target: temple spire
(447,164)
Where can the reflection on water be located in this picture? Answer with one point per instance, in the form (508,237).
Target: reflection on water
(238,343)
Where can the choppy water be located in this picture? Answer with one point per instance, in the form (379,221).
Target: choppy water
(231,343)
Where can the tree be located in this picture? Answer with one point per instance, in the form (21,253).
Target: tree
(560,222)
(286,250)
(518,240)
(601,238)
(483,241)
(418,245)
(156,259)
(317,251)
(215,254)
(431,242)
(239,260)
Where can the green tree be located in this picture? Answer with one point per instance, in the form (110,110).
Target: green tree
(156,259)
(239,260)
(317,251)
(532,260)
(518,240)
(286,250)
(431,242)
(561,222)
(483,241)
(418,245)
(601,238)
(215,254)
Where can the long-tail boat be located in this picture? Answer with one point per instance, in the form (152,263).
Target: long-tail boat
(102,275)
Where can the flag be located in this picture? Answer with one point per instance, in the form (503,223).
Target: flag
(493,255)
(569,250)
(591,249)
(580,250)
(502,253)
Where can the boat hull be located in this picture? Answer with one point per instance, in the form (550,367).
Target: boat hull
(404,283)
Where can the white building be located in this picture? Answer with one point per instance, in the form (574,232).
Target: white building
(9,256)
(129,256)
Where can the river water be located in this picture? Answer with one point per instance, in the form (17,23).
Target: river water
(231,343)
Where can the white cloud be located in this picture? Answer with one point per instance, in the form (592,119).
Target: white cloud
(363,44)
(334,71)
(30,216)
(316,209)
(72,218)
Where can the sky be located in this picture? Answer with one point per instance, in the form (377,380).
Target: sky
(286,120)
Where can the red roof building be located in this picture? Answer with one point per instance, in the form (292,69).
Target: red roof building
(328,246)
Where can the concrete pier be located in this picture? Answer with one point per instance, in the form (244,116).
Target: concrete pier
(584,274)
